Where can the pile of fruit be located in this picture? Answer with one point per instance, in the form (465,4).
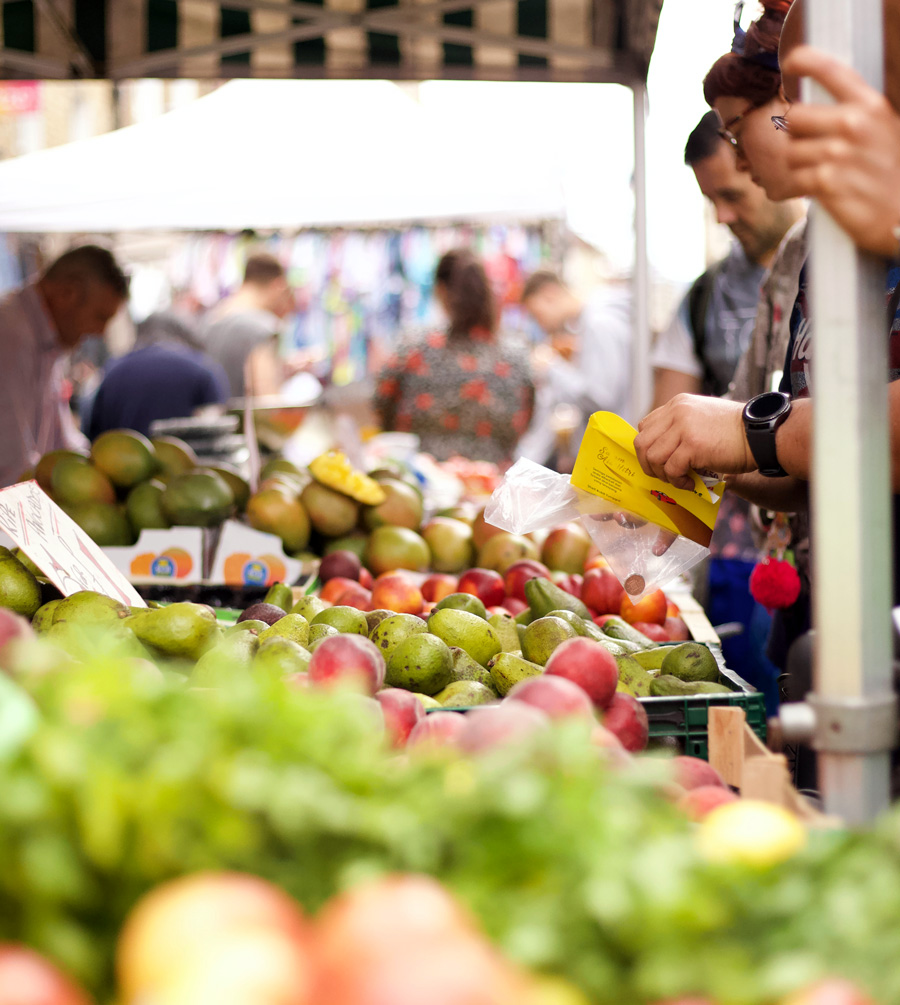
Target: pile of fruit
(130,483)
(580,860)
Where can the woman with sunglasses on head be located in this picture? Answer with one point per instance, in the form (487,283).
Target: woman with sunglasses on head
(764,446)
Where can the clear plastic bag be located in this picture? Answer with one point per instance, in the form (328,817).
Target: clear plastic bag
(642,555)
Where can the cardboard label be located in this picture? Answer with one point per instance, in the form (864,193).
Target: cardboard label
(162,556)
(58,546)
(248,557)
(607,466)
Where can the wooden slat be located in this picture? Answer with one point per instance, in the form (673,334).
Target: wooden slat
(275,59)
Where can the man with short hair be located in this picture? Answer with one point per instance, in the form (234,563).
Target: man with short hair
(242,333)
(711,329)
(77,295)
(589,364)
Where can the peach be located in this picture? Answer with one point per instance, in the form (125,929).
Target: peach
(485,584)
(518,574)
(657,633)
(566,548)
(350,660)
(589,665)
(398,593)
(440,729)
(556,696)
(497,725)
(694,773)
(402,710)
(438,586)
(356,596)
(365,578)
(698,802)
(625,716)
(602,592)
(335,586)
(677,629)
(653,608)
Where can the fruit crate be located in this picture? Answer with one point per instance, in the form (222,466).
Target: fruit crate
(684,721)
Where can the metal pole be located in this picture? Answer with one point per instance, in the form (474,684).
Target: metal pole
(850,489)
(641,382)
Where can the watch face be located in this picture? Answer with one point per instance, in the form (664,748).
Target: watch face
(767,406)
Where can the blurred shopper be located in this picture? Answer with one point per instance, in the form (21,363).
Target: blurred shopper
(242,332)
(165,376)
(464,390)
(590,367)
(710,331)
(76,296)
(698,354)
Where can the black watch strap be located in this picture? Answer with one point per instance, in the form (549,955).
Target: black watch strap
(762,417)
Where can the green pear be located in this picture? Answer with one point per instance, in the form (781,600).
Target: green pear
(465,668)
(505,627)
(543,636)
(507,670)
(468,631)
(182,631)
(466,694)
(309,606)
(421,662)
(87,607)
(292,626)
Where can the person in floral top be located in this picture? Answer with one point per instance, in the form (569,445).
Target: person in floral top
(463,390)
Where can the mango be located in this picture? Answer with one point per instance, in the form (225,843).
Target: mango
(468,631)
(465,668)
(505,627)
(465,694)
(543,636)
(391,631)
(690,661)
(421,662)
(544,597)
(507,670)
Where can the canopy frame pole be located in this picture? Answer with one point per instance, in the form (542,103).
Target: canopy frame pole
(641,382)
(850,492)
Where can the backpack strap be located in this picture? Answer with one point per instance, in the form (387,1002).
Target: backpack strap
(699,297)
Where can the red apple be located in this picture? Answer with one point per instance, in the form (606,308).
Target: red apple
(514,606)
(700,801)
(677,629)
(602,592)
(438,586)
(652,608)
(625,716)
(185,920)
(497,725)
(587,664)
(656,633)
(518,574)
(440,729)
(365,578)
(557,696)
(350,660)
(601,619)
(694,773)
(485,584)
(26,978)
(402,710)
(570,582)
(354,596)
(394,591)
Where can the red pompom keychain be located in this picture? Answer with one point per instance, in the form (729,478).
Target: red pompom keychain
(774,583)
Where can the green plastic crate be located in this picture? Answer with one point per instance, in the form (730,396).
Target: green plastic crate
(686,720)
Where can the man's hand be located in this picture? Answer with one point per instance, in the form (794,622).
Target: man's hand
(847,155)
(693,432)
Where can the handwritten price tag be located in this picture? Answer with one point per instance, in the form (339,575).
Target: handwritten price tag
(58,546)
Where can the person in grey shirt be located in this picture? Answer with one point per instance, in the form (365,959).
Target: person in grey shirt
(241,333)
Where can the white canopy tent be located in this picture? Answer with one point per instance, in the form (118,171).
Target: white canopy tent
(279,154)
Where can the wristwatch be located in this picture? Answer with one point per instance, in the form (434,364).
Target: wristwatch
(762,417)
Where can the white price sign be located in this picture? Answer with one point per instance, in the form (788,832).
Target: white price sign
(59,547)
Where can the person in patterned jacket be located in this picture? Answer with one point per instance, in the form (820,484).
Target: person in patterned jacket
(464,389)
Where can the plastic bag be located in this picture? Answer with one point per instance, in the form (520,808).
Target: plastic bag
(649,532)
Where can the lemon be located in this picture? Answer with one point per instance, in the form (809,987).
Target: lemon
(750,832)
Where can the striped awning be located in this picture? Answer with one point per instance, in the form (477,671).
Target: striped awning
(581,40)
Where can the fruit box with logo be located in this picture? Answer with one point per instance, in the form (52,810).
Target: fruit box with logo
(175,555)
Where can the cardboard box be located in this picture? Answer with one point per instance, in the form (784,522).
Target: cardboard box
(162,556)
